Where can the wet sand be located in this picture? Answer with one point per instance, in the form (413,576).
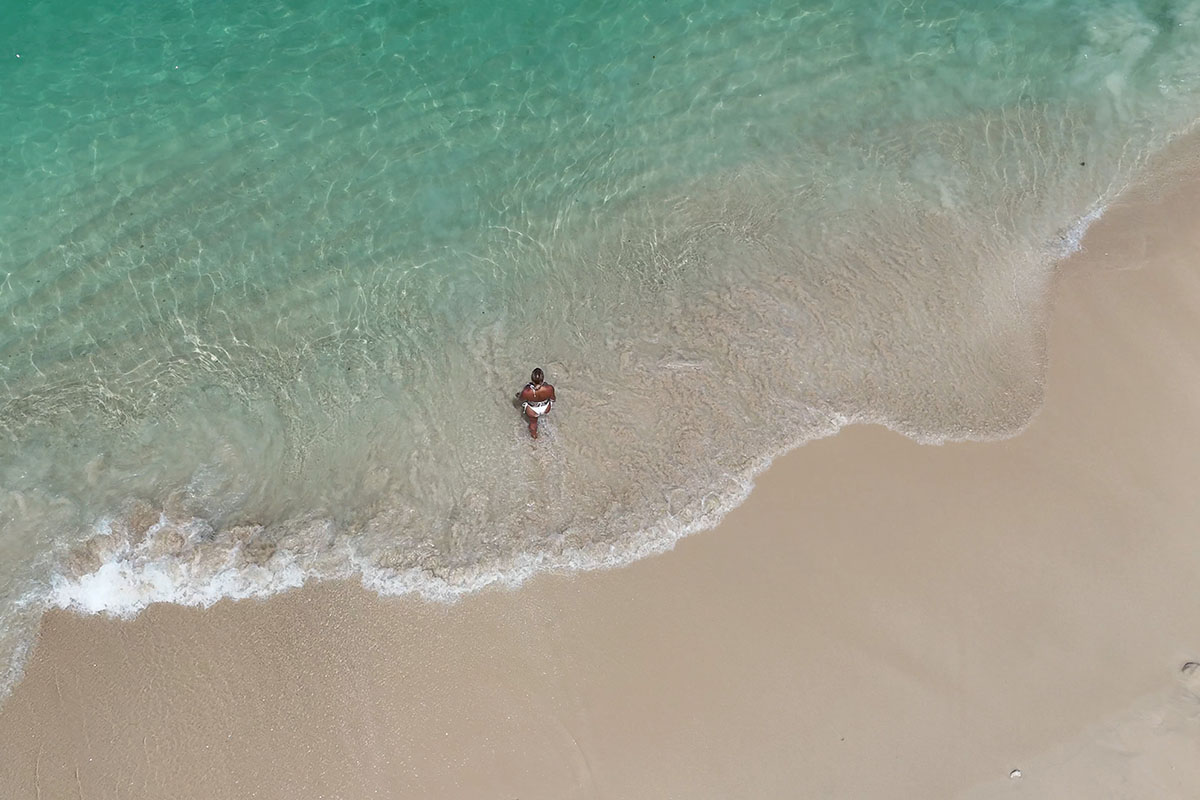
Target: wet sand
(880,619)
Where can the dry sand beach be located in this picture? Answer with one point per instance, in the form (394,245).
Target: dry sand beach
(880,619)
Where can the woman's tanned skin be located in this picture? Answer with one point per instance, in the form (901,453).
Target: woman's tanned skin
(535,393)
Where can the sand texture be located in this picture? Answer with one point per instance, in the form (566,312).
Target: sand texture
(880,619)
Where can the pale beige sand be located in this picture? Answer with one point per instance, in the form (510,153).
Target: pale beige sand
(879,620)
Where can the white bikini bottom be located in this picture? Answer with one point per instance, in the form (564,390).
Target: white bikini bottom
(538,408)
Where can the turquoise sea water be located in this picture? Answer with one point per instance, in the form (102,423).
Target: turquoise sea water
(270,273)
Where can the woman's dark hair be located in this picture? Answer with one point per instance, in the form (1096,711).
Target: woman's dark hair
(537,375)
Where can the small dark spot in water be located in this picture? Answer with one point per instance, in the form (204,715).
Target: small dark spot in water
(1083,163)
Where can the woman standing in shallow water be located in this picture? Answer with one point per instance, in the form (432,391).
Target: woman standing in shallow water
(537,398)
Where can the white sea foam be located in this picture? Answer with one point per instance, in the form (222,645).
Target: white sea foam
(187,562)
(133,579)
(207,566)
(1071,240)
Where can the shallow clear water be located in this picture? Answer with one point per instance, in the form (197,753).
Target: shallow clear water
(270,273)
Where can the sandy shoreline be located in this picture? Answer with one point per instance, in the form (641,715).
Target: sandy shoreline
(880,619)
